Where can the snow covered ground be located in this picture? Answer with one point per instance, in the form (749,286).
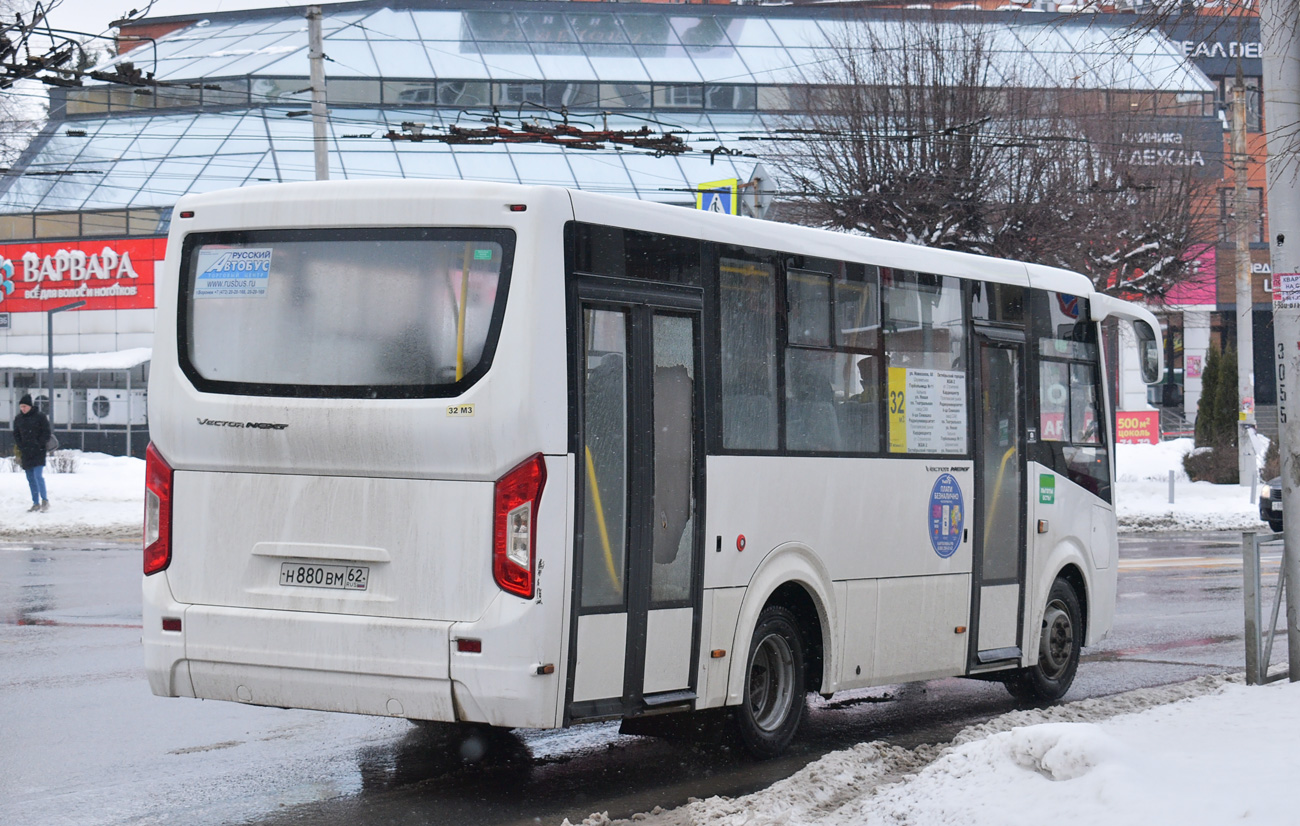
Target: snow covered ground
(1142,493)
(103,499)
(1204,753)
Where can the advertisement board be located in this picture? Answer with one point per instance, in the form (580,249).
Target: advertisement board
(107,273)
(1138,427)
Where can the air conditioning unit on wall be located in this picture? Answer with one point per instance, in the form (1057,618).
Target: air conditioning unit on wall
(115,406)
(69,405)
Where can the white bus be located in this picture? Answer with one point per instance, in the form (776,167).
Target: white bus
(525,457)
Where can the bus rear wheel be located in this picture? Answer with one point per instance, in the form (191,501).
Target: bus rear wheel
(1059,644)
(773,701)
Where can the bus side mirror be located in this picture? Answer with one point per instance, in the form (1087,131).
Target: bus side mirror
(1148,351)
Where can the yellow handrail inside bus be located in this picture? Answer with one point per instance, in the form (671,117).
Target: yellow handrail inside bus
(460,312)
(997,491)
(600,522)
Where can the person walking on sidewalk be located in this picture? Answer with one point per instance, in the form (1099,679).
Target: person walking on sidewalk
(31,435)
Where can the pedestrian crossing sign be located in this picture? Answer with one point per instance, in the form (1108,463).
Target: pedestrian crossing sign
(719,196)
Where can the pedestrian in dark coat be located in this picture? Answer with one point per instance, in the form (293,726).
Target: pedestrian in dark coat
(31,434)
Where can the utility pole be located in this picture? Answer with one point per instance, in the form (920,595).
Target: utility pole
(1243,221)
(1282,97)
(316,56)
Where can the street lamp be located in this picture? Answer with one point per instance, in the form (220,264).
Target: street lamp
(50,350)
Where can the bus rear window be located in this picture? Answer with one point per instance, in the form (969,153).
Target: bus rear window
(376,313)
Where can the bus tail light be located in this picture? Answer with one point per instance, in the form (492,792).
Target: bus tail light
(514,527)
(157,512)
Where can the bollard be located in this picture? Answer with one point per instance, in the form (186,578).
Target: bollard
(1250,588)
(1171,487)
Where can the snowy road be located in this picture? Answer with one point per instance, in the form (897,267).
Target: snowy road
(83,741)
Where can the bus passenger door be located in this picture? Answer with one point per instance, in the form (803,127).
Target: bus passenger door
(999,575)
(637,526)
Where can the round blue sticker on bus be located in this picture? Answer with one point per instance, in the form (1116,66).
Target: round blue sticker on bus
(947,514)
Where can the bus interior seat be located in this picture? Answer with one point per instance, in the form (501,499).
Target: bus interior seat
(749,422)
(859,426)
(811,425)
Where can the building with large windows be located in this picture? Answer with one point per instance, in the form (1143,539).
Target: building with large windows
(221,100)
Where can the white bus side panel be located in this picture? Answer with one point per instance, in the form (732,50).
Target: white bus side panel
(1076,521)
(868,521)
(721,611)
(865,518)
(917,618)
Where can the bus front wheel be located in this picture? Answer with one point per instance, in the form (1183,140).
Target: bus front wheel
(1059,643)
(773,701)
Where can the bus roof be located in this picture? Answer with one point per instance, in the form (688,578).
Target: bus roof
(335,198)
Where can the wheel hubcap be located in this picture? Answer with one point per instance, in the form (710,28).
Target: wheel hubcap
(1057,644)
(771,680)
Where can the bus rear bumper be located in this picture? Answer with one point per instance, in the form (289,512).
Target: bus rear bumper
(291,659)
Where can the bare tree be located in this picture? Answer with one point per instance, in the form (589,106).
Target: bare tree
(921,133)
(21,108)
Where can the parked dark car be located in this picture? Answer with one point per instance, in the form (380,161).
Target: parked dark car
(1270,504)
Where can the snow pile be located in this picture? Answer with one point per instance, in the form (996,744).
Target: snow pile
(1152,463)
(1142,493)
(1197,754)
(104,499)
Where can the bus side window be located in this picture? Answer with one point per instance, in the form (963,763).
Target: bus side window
(747,301)
(1070,414)
(925,354)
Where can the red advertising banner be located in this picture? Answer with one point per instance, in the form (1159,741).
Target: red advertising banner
(1139,427)
(108,274)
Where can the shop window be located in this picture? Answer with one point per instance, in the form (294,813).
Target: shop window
(731,98)
(130,99)
(571,95)
(103,223)
(346,92)
(518,94)
(149,221)
(625,95)
(679,96)
(16,227)
(175,97)
(87,101)
(52,225)
(464,93)
(402,92)
(773,98)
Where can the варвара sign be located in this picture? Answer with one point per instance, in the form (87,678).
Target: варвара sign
(108,274)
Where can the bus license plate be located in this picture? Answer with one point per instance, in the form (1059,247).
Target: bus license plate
(345,577)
